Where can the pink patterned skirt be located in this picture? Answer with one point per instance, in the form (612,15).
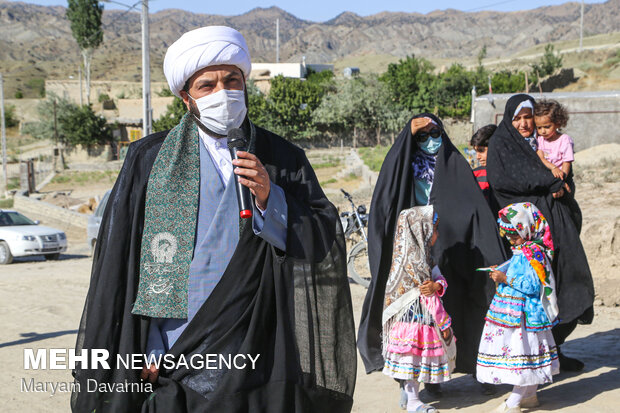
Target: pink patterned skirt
(415,352)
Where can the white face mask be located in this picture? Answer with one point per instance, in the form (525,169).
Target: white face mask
(222,111)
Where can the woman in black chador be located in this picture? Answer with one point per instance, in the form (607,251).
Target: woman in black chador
(424,167)
(516,174)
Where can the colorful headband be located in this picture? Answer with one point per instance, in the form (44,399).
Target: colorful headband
(506,228)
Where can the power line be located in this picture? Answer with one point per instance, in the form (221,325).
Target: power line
(490,5)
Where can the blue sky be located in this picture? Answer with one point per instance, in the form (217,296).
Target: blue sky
(321,10)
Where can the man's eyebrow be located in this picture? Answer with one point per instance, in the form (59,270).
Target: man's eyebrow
(228,75)
(202,82)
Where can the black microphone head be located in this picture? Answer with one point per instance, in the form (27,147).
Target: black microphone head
(236,138)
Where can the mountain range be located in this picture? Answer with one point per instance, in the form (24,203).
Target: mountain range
(37,41)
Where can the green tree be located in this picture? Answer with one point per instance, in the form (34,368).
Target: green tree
(103,97)
(81,126)
(291,103)
(362,104)
(481,55)
(340,111)
(44,128)
(549,63)
(172,117)
(410,83)
(259,108)
(75,124)
(452,91)
(85,18)
(164,92)
(325,78)
(508,82)
(9,116)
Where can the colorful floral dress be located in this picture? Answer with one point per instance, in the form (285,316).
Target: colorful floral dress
(517,346)
(415,350)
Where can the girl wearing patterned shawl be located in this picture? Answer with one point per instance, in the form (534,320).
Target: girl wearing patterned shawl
(415,175)
(517,346)
(418,345)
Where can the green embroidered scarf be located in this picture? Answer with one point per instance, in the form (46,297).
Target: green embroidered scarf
(170,224)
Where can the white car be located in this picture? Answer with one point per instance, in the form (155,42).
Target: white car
(20,237)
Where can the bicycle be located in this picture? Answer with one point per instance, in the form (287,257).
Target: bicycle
(353,224)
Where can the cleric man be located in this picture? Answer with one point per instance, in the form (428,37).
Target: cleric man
(177,272)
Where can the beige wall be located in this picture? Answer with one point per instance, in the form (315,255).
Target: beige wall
(275,69)
(97,153)
(25,109)
(70,89)
(132,108)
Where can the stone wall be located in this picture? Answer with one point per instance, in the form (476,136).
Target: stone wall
(82,154)
(459,131)
(52,215)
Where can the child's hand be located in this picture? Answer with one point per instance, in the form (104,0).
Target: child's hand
(498,276)
(429,288)
(557,172)
(447,335)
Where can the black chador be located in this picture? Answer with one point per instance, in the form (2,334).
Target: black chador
(516,174)
(468,239)
(292,309)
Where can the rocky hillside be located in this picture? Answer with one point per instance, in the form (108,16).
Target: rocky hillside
(36,40)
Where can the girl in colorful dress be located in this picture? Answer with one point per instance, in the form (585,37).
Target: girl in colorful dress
(517,346)
(418,345)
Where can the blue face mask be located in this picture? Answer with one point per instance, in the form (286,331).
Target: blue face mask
(431,145)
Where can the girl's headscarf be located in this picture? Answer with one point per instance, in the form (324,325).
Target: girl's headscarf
(411,264)
(526,220)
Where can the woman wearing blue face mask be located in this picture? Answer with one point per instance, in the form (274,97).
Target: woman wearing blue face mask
(423,167)
(427,134)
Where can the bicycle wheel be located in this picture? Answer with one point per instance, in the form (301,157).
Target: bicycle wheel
(357,264)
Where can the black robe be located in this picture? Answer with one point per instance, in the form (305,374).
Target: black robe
(516,174)
(293,308)
(468,239)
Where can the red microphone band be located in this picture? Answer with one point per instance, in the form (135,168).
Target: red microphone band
(246,213)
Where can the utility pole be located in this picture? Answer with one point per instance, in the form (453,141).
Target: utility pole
(80,76)
(581,29)
(277,40)
(146,72)
(57,150)
(3,126)
(527,84)
(473,104)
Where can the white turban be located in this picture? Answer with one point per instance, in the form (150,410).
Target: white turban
(199,48)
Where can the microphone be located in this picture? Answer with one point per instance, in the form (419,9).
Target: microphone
(236,142)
